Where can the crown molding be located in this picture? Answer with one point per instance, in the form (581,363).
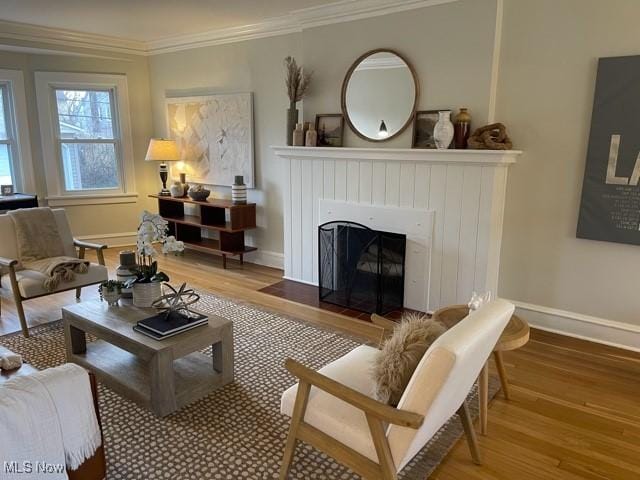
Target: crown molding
(268,28)
(69,38)
(295,21)
(349,10)
(5,47)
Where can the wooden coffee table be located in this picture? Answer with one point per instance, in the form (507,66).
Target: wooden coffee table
(160,375)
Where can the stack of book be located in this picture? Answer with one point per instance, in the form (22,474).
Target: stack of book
(168,324)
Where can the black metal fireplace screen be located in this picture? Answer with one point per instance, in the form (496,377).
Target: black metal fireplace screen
(361,268)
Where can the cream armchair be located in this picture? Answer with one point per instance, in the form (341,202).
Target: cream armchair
(334,411)
(28,284)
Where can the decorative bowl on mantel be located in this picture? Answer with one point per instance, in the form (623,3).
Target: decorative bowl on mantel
(199,193)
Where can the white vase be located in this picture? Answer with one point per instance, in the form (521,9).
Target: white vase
(443,130)
(144,294)
(177,190)
(111,297)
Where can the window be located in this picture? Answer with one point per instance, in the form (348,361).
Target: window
(15,151)
(86,138)
(6,175)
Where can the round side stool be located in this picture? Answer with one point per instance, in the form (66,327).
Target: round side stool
(515,335)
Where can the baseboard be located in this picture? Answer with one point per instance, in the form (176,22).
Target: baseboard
(578,325)
(300,281)
(123,239)
(266,258)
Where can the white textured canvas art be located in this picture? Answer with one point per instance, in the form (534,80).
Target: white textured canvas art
(215,136)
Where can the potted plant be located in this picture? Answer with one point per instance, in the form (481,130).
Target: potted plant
(110,292)
(147,284)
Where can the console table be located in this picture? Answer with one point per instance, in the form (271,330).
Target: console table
(212,216)
(18,200)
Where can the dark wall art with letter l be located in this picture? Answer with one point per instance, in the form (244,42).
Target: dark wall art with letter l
(610,205)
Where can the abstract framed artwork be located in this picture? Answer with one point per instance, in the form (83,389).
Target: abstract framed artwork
(214,134)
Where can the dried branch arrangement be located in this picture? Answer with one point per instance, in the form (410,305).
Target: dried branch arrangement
(296,80)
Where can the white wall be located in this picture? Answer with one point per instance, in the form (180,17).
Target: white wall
(449,45)
(254,66)
(550,50)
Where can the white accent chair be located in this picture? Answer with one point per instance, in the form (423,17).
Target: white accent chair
(28,284)
(334,409)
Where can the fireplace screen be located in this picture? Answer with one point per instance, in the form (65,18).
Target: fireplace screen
(360,268)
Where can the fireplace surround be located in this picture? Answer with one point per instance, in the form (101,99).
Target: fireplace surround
(449,203)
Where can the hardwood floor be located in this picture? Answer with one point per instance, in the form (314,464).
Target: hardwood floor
(575,412)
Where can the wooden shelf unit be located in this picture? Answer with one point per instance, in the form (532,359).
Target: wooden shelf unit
(213,217)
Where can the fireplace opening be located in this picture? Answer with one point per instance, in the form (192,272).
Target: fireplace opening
(361,268)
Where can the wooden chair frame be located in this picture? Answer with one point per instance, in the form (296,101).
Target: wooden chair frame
(377,414)
(11,264)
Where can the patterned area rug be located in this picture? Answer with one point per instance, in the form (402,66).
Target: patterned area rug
(236,432)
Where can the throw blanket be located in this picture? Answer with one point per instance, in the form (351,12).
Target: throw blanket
(9,360)
(40,247)
(48,417)
(29,431)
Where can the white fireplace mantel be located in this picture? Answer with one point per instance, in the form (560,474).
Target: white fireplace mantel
(472,157)
(465,190)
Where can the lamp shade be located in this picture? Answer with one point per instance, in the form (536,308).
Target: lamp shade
(162,150)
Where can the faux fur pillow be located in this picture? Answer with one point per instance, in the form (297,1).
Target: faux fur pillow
(401,354)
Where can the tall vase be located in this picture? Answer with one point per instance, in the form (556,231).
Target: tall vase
(183,181)
(462,128)
(292,120)
(443,130)
(239,191)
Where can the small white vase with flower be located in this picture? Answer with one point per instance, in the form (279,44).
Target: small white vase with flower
(147,285)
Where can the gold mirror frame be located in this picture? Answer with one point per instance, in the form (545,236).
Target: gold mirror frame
(345,83)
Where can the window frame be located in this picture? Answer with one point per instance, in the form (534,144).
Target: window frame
(17,125)
(47,83)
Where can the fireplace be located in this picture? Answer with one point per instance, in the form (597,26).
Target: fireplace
(361,268)
(449,204)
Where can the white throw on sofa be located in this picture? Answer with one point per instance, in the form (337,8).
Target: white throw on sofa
(48,417)
(27,284)
(334,409)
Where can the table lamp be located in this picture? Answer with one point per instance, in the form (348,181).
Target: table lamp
(163,150)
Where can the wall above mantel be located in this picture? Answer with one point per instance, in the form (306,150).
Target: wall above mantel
(475,157)
(455,76)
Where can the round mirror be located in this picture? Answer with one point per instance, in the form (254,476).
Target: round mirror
(379,95)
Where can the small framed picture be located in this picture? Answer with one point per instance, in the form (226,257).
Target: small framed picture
(6,190)
(423,124)
(330,128)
